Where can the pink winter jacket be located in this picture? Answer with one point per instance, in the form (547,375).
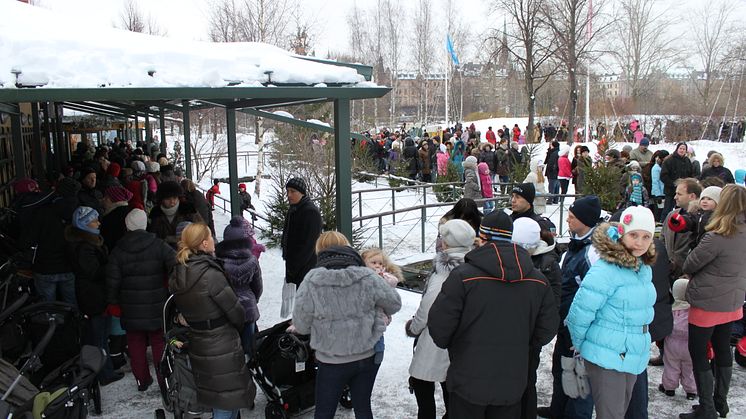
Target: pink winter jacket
(565,168)
(485,180)
(442,159)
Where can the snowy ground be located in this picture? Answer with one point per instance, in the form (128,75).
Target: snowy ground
(391,397)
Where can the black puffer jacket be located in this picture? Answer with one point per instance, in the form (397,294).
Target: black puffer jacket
(46,233)
(136,278)
(489,312)
(674,168)
(202,293)
(662,324)
(546,259)
(302,227)
(87,255)
(165,229)
(720,172)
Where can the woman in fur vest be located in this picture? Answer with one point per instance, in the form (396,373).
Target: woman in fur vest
(337,304)
(430,363)
(609,317)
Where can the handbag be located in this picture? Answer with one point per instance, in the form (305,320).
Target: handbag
(288,300)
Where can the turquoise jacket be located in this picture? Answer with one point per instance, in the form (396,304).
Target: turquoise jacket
(609,317)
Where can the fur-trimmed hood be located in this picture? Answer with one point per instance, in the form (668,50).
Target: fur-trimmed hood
(615,252)
(73,235)
(447,260)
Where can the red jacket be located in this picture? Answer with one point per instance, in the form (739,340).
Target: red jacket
(491,137)
(565,167)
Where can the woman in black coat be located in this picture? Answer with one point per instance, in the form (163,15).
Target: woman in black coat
(135,277)
(87,254)
(214,315)
(676,166)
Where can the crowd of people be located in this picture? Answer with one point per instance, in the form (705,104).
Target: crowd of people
(499,288)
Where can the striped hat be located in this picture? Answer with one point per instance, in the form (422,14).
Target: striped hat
(496,225)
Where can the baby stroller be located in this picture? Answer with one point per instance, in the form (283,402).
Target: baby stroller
(283,367)
(63,393)
(180,396)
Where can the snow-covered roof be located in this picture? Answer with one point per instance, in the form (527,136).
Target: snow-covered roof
(41,48)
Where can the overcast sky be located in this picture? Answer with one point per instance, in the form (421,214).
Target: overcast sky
(187,19)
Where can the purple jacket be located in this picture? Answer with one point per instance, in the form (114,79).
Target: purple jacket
(243,273)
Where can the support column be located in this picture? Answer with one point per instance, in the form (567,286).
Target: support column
(61,146)
(19,161)
(137,130)
(48,140)
(343,167)
(162,121)
(36,154)
(148,135)
(230,115)
(187,129)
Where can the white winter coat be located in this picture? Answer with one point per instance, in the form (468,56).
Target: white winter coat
(429,362)
(540,202)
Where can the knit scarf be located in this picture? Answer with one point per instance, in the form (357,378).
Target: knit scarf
(636,194)
(170,212)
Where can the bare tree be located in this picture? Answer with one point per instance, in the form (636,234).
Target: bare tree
(644,48)
(422,46)
(265,21)
(133,19)
(393,14)
(575,24)
(533,45)
(712,31)
(210,144)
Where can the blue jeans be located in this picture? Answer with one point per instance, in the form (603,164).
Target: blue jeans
(332,378)
(638,405)
(488,207)
(554,189)
(379,348)
(97,334)
(224,414)
(56,287)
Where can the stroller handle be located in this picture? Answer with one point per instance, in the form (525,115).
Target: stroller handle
(34,355)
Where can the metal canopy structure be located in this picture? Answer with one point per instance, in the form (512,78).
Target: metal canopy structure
(130,103)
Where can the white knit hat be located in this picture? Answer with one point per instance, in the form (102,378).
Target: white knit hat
(526,233)
(564,150)
(679,294)
(457,233)
(637,218)
(136,220)
(712,192)
(153,167)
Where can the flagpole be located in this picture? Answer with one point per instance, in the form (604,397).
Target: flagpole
(446,83)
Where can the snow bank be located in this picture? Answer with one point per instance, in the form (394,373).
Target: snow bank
(61,50)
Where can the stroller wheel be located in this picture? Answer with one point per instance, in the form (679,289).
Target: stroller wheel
(160,414)
(346,399)
(275,411)
(96,396)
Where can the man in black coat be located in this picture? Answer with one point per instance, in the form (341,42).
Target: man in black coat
(488,314)
(302,228)
(552,170)
(676,166)
(171,211)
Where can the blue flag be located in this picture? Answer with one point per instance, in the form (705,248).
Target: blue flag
(449,47)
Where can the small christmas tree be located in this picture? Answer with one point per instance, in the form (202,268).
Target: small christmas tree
(446,193)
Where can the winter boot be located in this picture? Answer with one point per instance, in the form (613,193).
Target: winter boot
(706,408)
(117,346)
(722,385)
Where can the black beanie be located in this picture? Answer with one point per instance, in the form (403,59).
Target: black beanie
(496,225)
(298,184)
(587,210)
(525,190)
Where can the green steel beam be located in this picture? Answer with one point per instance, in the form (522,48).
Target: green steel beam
(343,167)
(93,110)
(9,108)
(162,122)
(230,115)
(187,130)
(298,122)
(19,158)
(178,93)
(364,70)
(36,154)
